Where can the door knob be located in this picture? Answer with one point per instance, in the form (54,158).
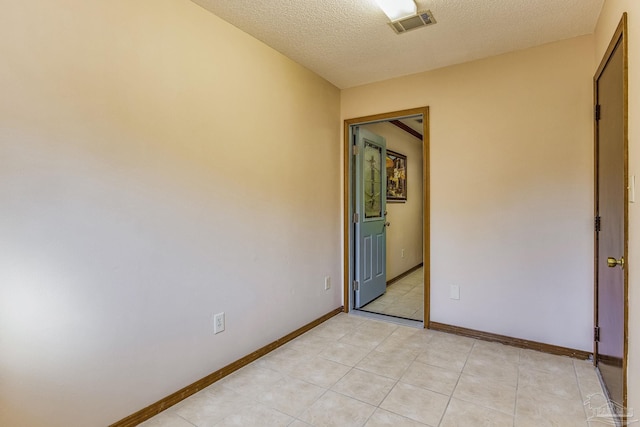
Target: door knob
(387,224)
(612,262)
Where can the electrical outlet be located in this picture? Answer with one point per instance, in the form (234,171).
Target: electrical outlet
(218,323)
(327,283)
(402,253)
(454,292)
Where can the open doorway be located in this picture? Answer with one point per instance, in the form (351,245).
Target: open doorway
(386,214)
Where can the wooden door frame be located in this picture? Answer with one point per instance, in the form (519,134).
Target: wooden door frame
(348,224)
(620,37)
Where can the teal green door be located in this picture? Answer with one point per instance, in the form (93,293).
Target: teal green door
(370,223)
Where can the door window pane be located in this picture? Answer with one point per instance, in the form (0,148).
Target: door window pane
(372,181)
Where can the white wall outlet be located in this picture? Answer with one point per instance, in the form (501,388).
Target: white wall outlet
(327,283)
(402,253)
(218,323)
(454,292)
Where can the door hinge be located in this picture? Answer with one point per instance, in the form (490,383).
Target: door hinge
(356,217)
(597,224)
(356,285)
(596,333)
(355,150)
(596,112)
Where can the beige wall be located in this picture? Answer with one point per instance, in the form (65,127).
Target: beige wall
(152,173)
(157,166)
(609,19)
(406,219)
(511,188)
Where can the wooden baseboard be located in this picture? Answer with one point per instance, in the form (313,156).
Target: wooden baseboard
(405,274)
(515,342)
(162,404)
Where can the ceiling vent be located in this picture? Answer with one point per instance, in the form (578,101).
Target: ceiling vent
(421,19)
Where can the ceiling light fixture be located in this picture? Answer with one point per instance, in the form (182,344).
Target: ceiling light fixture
(398,9)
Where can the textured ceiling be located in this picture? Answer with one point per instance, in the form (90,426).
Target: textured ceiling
(349,42)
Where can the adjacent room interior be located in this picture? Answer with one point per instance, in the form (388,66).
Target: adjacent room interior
(402,296)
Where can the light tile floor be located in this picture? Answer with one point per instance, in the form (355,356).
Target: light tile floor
(404,298)
(355,371)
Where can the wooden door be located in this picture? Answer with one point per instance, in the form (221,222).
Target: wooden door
(611,220)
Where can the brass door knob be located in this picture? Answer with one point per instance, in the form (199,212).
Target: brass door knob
(612,262)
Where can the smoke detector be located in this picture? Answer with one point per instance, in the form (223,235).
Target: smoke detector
(419,20)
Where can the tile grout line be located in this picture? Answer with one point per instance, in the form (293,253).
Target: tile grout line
(397,381)
(457,382)
(515,405)
(326,390)
(351,368)
(584,409)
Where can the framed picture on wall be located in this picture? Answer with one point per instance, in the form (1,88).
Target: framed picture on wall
(396,177)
